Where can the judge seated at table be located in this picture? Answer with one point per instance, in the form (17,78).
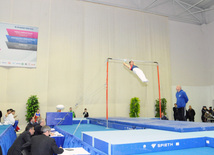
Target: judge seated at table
(22,144)
(0,115)
(38,127)
(44,145)
(31,122)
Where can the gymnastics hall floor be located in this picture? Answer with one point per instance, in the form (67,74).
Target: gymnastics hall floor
(139,139)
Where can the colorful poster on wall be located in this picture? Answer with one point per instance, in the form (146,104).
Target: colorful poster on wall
(18,45)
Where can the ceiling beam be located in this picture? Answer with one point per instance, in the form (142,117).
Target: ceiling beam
(205,10)
(150,4)
(189,4)
(188,10)
(192,6)
(196,17)
(158,4)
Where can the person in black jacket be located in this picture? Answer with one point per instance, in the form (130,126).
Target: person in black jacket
(203,111)
(163,117)
(44,145)
(22,143)
(39,126)
(191,114)
(31,122)
(0,115)
(0,151)
(85,113)
(210,110)
(175,110)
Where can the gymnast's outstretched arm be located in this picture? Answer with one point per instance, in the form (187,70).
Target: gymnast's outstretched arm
(127,65)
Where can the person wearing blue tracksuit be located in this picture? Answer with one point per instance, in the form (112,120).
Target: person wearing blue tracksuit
(182,99)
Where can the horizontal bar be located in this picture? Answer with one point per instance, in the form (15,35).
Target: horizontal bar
(132,60)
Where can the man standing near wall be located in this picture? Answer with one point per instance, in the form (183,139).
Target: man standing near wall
(175,111)
(191,113)
(182,99)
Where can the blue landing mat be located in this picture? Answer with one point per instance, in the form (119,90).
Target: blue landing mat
(194,151)
(149,141)
(137,123)
(129,142)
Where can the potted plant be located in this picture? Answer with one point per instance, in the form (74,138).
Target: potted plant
(32,105)
(163,107)
(134,107)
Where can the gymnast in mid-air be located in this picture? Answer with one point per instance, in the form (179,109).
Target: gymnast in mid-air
(136,70)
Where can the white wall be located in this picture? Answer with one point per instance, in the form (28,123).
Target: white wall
(188,54)
(192,64)
(209,43)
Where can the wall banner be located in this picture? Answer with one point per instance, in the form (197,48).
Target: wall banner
(18,45)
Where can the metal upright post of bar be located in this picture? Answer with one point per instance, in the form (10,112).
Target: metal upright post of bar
(107,93)
(159,89)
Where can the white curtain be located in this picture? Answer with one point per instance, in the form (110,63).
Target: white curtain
(75,39)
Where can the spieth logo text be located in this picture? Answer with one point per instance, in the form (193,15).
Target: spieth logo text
(162,145)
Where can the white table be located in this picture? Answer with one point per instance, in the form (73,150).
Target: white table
(59,138)
(75,151)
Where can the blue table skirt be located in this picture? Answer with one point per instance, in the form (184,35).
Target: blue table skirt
(7,137)
(59,140)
